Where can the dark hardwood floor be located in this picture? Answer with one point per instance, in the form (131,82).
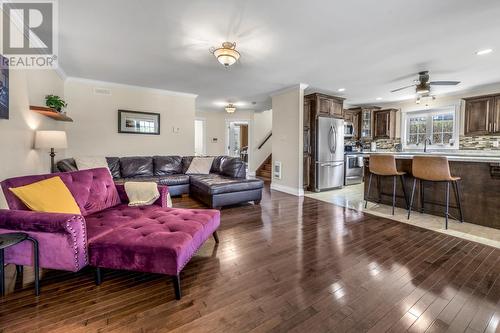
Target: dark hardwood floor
(289,265)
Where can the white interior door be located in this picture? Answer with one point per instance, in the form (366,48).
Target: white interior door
(199,138)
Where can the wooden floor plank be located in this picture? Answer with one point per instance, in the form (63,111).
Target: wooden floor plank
(289,265)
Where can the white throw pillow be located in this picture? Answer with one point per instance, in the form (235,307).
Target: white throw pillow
(200,166)
(91,162)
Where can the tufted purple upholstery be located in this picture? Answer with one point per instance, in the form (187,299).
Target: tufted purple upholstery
(148,239)
(93,189)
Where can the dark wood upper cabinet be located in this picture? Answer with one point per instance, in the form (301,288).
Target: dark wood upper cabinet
(496,115)
(480,116)
(384,124)
(330,106)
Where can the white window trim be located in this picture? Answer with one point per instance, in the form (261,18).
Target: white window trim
(438,110)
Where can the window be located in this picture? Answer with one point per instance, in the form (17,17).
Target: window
(437,125)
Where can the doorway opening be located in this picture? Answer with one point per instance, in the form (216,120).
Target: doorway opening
(200,145)
(237,139)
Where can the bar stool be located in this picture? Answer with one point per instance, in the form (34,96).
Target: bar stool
(435,169)
(385,166)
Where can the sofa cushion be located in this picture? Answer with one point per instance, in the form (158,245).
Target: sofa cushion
(114,166)
(217,163)
(67,165)
(136,166)
(200,166)
(93,190)
(167,165)
(186,161)
(217,184)
(233,167)
(148,239)
(91,162)
(49,195)
(169,180)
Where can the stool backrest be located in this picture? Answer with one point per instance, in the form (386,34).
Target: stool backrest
(384,165)
(432,168)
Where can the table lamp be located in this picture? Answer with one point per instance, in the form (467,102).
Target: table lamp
(51,140)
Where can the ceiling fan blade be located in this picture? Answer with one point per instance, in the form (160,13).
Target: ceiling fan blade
(444,83)
(395,90)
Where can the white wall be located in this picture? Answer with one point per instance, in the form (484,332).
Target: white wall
(263,125)
(26,87)
(287,145)
(95,127)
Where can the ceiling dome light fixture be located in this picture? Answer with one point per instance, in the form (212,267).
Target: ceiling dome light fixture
(230,108)
(227,54)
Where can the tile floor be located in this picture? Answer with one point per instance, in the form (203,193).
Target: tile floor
(352,197)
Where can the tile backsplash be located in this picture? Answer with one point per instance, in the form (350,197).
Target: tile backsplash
(479,142)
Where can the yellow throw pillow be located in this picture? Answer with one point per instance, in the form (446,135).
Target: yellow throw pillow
(49,195)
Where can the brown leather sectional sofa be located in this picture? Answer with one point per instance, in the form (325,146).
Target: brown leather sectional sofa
(225,185)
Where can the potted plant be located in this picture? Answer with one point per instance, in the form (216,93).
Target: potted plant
(55,102)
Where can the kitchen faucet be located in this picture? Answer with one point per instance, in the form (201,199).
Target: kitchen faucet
(425,143)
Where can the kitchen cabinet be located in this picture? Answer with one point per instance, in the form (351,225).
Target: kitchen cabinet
(482,115)
(316,105)
(329,106)
(362,118)
(384,124)
(354,117)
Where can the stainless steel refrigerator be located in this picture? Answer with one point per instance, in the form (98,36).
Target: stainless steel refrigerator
(329,159)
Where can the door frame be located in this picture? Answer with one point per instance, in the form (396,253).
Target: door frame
(249,123)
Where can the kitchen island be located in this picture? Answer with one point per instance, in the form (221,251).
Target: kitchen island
(480,187)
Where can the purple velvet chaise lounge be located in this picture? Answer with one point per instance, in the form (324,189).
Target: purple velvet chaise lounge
(109,233)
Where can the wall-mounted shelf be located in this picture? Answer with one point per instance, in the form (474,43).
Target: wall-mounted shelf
(51,113)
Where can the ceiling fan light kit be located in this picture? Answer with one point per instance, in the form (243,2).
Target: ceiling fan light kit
(227,54)
(423,85)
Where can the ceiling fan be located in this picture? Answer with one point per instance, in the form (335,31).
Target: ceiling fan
(423,86)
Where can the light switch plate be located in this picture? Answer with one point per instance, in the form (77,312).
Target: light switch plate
(176,129)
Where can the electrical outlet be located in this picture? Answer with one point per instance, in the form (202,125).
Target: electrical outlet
(495,144)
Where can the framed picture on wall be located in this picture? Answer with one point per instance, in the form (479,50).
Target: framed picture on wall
(4,88)
(135,122)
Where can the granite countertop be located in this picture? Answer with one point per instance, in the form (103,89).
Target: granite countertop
(456,155)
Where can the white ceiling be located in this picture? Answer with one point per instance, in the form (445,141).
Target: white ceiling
(368,47)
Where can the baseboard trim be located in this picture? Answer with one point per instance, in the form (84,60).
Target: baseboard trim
(287,189)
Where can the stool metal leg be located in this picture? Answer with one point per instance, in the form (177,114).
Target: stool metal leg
(2,274)
(412,196)
(402,178)
(368,193)
(379,187)
(422,196)
(393,193)
(447,204)
(456,186)
(36,265)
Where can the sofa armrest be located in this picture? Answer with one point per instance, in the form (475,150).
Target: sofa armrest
(162,200)
(26,220)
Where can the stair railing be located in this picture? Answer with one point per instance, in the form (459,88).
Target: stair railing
(265,140)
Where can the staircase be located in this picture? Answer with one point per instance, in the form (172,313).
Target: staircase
(264,172)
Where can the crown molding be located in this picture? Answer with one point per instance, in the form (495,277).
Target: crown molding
(300,86)
(122,85)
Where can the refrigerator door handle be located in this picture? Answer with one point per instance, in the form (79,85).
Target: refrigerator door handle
(330,165)
(334,129)
(331,137)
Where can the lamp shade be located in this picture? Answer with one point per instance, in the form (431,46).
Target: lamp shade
(50,139)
